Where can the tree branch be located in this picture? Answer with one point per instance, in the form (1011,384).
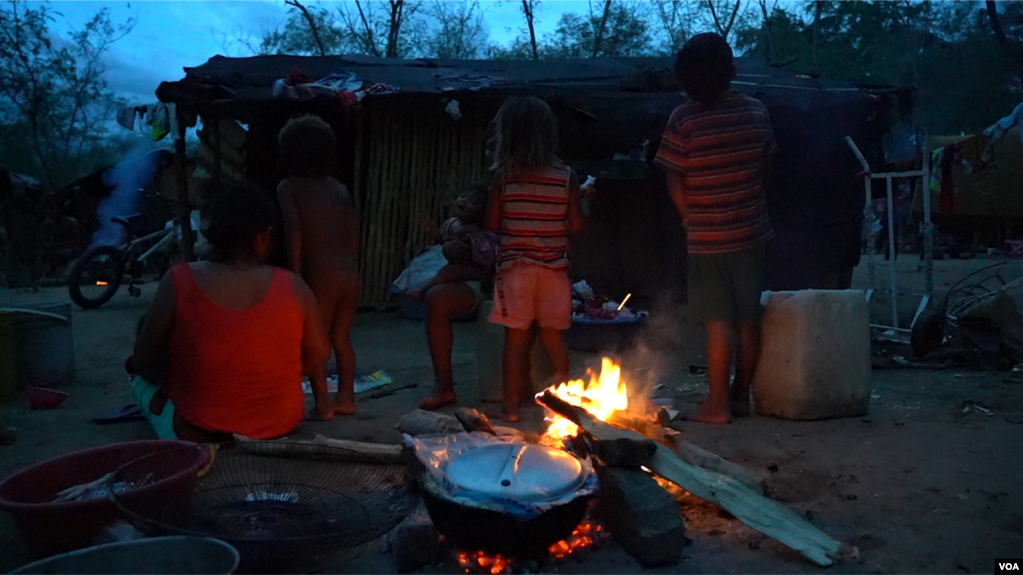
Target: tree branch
(527,9)
(312,24)
(371,44)
(599,36)
(1014,54)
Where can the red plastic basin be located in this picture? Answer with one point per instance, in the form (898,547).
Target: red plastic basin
(49,528)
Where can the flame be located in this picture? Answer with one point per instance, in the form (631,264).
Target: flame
(601,397)
(100,283)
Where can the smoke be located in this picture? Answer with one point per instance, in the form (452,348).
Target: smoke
(133,172)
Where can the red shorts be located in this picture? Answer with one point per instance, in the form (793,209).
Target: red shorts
(533,292)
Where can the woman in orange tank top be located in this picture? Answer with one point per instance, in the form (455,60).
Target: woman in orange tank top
(230,339)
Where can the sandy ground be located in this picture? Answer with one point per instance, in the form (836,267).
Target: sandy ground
(917,485)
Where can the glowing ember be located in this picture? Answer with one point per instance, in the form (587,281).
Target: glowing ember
(480,562)
(99,283)
(586,535)
(601,397)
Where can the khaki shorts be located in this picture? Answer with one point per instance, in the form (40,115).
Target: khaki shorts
(533,292)
(727,287)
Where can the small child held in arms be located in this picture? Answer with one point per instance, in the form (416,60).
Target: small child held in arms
(321,234)
(467,246)
(534,206)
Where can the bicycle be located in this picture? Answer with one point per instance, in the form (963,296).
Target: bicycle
(101,270)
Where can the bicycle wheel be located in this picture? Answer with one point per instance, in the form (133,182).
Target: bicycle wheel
(96,276)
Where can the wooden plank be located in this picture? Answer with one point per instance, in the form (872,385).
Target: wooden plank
(695,455)
(323,448)
(765,515)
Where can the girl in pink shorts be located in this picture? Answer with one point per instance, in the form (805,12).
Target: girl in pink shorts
(534,206)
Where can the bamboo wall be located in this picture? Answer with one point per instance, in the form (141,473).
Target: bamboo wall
(411,157)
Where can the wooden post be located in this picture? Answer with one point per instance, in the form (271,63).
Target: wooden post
(184,207)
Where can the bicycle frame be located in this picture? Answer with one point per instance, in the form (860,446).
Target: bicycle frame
(168,236)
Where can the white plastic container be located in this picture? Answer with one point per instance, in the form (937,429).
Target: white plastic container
(490,360)
(815,355)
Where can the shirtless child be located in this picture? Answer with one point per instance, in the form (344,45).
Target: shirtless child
(322,237)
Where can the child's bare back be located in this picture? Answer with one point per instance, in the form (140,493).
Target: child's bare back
(322,236)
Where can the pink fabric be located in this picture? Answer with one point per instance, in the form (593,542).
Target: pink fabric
(533,292)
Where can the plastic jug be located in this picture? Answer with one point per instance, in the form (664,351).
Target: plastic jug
(815,355)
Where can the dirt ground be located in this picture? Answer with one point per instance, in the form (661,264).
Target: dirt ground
(918,485)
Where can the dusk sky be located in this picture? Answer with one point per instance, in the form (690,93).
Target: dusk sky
(171,35)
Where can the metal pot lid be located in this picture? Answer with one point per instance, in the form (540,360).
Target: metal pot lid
(518,471)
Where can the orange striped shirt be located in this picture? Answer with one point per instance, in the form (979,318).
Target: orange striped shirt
(720,152)
(534,218)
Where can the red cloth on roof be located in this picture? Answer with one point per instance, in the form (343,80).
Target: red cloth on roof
(237,371)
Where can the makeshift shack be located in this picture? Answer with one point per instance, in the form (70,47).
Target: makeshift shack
(413,134)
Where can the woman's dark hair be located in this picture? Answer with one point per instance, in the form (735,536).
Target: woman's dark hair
(308,147)
(704,67)
(237,214)
(479,195)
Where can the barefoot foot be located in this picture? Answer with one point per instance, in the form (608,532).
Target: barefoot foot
(438,400)
(708,415)
(510,417)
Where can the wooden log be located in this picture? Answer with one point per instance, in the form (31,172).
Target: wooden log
(322,447)
(695,455)
(765,515)
(642,517)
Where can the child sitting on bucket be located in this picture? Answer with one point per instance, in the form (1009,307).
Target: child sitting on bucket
(534,205)
(322,237)
(466,245)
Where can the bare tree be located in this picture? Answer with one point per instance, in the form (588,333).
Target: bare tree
(815,36)
(723,23)
(528,7)
(598,33)
(677,18)
(392,20)
(52,90)
(460,30)
(772,48)
(1015,53)
(313,28)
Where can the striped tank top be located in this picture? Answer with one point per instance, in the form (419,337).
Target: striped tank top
(534,218)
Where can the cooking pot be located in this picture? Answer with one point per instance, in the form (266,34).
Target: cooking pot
(492,477)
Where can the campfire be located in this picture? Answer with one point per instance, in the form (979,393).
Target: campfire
(637,463)
(605,394)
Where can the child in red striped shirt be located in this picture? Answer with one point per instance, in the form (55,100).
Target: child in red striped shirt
(534,205)
(717,151)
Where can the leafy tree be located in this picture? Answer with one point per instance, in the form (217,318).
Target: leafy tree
(296,35)
(458,30)
(55,105)
(619,29)
(945,50)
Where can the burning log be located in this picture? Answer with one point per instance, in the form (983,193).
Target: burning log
(765,515)
(642,517)
(322,447)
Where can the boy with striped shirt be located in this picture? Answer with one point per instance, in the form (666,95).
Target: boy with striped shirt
(716,151)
